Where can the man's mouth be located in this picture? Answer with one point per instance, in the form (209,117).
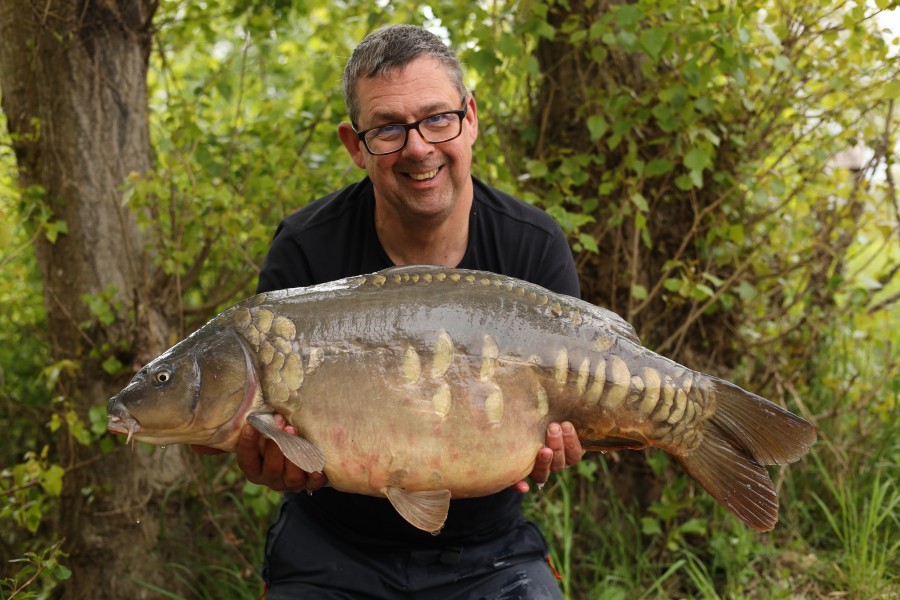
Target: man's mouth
(425,176)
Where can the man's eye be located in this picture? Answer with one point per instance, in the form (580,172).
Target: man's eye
(441,119)
(388,131)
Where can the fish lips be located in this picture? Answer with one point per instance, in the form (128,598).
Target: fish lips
(119,420)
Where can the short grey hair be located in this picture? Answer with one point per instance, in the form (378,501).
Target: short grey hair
(393,47)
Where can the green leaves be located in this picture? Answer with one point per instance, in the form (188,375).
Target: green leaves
(697,160)
(658,166)
(53,229)
(44,565)
(28,489)
(653,40)
(891,90)
(598,126)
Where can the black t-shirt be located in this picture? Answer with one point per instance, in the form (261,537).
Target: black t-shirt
(334,237)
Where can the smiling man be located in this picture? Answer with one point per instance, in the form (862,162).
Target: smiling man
(412,127)
(426,189)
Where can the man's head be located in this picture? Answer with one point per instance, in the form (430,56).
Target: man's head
(401,76)
(391,48)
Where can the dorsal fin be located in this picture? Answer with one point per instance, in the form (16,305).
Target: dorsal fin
(412,269)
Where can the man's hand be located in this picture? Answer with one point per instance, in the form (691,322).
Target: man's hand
(263,463)
(563,449)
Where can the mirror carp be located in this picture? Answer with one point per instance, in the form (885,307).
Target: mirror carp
(422,384)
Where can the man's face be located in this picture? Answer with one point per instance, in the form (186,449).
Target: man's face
(423,181)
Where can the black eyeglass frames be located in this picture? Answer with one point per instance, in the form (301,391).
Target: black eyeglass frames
(434,129)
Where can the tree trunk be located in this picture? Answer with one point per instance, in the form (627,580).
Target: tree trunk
(73,77)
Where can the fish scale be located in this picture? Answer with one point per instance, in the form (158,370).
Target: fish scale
(423,384)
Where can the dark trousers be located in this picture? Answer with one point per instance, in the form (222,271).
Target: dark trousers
(303,562)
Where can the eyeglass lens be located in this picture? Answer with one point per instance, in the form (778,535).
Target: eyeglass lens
(435,129)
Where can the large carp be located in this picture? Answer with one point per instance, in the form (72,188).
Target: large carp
(424,384)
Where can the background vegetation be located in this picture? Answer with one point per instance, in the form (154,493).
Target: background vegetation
(727,177)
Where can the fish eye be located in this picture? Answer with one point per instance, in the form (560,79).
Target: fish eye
(162,376)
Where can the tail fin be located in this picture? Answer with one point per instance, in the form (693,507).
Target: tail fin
(745,433)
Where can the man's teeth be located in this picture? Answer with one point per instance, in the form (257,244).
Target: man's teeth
(423,176)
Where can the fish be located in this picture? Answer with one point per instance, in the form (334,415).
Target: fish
(423,384)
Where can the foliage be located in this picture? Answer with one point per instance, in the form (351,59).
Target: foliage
(44,565)
(30,480)
(238,134)
(690,152)
(732,121)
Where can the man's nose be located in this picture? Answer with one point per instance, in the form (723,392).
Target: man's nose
(416,145)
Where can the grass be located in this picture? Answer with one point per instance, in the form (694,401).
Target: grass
(864,518)
(220,558)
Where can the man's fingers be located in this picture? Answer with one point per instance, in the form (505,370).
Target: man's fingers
(294,478)
(571,444)
(247,451)
(316,481)
(541,471)
(522,487)
(555,442)
(263,463)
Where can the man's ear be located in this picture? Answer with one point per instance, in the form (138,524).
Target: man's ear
(352,143)
(472,118)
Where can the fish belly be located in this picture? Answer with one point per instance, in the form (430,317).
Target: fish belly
(380,424)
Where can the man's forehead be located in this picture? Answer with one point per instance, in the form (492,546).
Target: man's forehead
(421,87)
(396,114)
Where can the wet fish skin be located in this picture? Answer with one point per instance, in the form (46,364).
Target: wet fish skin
(423,384)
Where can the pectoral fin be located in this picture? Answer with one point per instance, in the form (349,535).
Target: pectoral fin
(426,510)
(295,448)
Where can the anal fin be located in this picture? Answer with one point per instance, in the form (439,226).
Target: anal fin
(295,448)
(426,510)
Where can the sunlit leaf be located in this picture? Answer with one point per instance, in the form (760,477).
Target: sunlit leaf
(891,90)
(640,202)
(698,158)
(52,480)
(653,41)
(589,242)
(537,168)
(598,126)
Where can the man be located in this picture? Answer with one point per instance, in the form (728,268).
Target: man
(412,128)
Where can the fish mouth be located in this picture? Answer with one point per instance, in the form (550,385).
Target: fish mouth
(119,420)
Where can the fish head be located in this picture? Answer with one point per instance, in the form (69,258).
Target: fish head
(197,392)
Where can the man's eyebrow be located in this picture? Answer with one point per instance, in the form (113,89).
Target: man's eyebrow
(392,118)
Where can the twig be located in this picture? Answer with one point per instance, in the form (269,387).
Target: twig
(39,568)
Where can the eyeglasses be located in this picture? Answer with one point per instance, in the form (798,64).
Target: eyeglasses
(434,129)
